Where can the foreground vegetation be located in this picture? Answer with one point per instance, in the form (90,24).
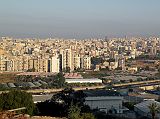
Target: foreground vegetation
(67,103)
(17,99)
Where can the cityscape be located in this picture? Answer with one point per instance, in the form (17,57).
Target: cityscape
(72,61)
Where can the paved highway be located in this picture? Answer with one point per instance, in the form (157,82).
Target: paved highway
(35,91)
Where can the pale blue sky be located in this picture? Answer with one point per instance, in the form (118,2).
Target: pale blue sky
(79,18)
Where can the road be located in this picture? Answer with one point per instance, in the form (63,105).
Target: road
(35,91)
(136,84)
(58,90)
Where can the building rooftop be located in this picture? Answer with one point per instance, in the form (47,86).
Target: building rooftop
(73,75)
(96,93)
(81,80)
(143,106)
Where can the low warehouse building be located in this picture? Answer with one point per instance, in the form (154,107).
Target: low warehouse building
(93,80)
(104,100)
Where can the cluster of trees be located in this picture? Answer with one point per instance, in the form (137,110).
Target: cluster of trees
(129,105)
(17,99)
(154,109)
(54,81)
(57,81)
(67,103)
(74,112)
(24,78)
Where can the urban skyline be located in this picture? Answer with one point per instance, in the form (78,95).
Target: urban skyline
(79,59)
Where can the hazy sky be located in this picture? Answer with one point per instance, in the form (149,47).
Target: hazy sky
(79,18)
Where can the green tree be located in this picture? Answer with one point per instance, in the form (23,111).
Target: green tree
(129,105)
(68,98)
(154,108)
(60,80)
(74,112)
(17,99)
(64,97)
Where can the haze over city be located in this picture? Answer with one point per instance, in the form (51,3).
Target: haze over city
(79,18)
(79,59)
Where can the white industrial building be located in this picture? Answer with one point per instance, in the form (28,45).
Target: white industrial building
(104,100)
(92,80)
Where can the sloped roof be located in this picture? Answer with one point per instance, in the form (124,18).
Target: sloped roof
(143,106)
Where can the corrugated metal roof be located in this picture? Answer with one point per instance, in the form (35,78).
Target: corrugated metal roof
(143,106)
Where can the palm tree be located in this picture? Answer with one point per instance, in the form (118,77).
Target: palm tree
(154,108)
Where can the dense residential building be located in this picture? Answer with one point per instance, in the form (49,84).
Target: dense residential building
(86,62)
(66,59)
(55,63)
(55,55)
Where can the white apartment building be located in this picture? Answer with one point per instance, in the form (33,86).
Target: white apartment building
(86,62)
(55,64)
